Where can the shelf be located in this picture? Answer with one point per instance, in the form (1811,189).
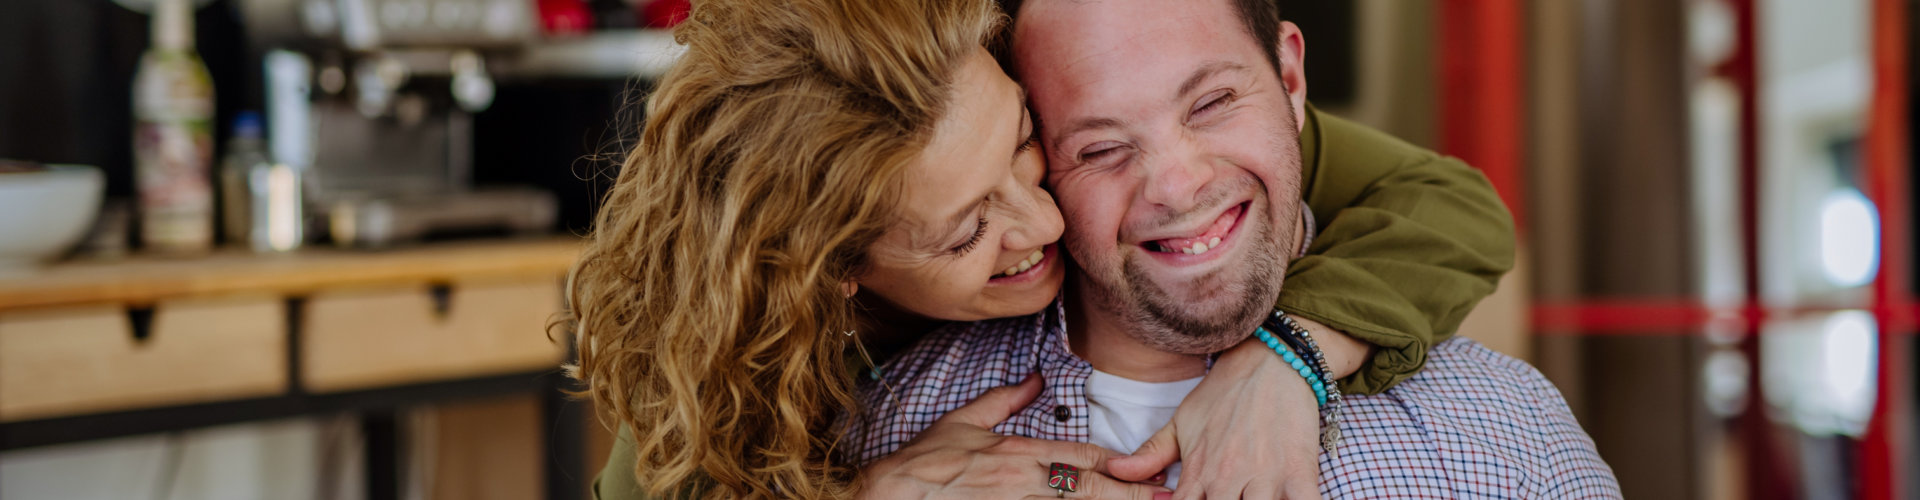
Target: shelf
(148,279)
(618,54)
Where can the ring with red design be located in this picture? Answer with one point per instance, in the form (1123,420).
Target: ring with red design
(1063,478)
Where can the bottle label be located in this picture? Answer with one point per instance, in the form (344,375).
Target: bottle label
(176,201)
(173,152)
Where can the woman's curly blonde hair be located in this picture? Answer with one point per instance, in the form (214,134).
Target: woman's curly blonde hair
(707,305)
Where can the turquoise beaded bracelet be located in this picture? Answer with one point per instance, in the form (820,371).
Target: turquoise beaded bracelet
(1298,364)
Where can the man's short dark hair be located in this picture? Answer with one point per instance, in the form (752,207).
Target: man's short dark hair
(1261,18)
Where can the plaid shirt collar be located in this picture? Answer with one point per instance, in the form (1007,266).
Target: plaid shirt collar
(956,363)
(1040,343)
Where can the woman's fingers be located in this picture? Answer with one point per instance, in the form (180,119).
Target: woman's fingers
(1100,486)
(1090,458)
(1159,452)
(1097,486)
(995,405)
(959,456)
(1303,490)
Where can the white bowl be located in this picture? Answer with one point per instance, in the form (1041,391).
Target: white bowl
(44,213)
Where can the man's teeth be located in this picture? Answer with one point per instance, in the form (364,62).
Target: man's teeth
(1024,265)
(1196,249)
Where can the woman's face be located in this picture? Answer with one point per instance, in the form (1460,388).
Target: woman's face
(975,235)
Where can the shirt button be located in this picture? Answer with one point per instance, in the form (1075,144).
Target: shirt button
(1062,414)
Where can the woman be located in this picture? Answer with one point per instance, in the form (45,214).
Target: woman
(759,241)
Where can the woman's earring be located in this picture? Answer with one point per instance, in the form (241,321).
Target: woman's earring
(848,288)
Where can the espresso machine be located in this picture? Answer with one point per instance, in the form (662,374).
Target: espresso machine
(374,101)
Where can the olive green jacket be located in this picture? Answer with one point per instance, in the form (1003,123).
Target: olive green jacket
(1409,241)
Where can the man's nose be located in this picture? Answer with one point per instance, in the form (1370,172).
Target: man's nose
(1175,180)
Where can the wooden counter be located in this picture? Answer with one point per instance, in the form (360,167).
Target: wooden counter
(146,280)
(89,337)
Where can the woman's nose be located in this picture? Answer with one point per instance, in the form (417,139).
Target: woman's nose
(1036,219)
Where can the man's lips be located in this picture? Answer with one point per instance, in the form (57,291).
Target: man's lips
(1203,240)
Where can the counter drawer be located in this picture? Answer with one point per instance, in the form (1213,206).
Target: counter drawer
(354,339)
(90,359)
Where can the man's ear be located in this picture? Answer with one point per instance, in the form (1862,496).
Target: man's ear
(1292,51)
(848,288)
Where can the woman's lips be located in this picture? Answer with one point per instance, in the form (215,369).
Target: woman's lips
(1035,264)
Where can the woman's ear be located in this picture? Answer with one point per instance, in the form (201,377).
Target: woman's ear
(848,288)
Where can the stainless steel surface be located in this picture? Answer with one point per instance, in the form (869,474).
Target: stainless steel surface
(619,54)
(276,208)
(385,147)
(375,24)
(356,154)
(381,222)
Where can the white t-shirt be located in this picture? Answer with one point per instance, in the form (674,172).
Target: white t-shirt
(1124,413)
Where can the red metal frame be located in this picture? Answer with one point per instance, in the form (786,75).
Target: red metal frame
(1768,471)
(1885,182)
(1685,315)
(1482,91)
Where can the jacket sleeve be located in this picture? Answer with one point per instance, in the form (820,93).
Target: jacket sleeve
(1409,241)
(616,481)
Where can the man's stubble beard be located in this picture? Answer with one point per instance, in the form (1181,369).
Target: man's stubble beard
(1162,322)
(1154,316)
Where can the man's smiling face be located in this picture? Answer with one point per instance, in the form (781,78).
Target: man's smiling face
(1173,151)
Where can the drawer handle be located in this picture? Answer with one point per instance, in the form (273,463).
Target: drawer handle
(140,322)
(442,294)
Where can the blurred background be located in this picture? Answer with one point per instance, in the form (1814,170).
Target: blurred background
(298,249)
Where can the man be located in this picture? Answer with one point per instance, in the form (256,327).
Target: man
(1170,126)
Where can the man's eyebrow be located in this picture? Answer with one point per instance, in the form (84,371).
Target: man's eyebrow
(1085,124)
(1199,76)
(1206,71)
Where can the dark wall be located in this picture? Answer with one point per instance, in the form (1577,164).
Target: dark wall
(1913,156)
(66,79)
(565,136)
(1328,28)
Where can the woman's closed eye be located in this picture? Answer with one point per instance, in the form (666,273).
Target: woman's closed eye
(1032,140)
(979,233)
(1033,133)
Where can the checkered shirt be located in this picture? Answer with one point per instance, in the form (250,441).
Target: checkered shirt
(1473,423)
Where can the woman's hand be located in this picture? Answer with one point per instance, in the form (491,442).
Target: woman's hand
(1251,429)
(958,457)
